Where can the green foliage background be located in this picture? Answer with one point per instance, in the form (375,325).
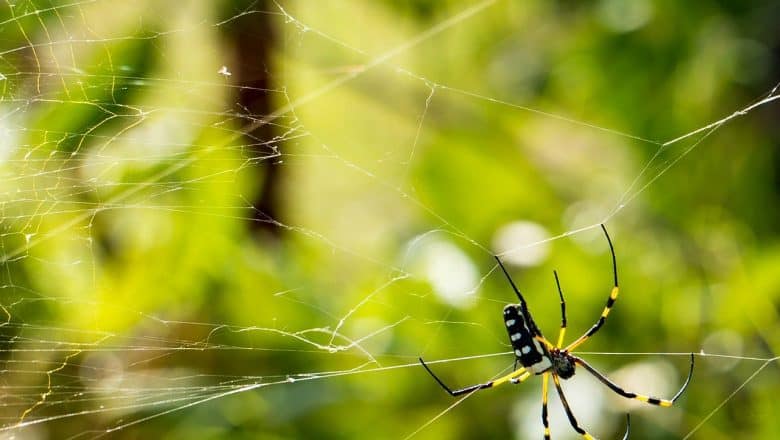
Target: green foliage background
(163,242)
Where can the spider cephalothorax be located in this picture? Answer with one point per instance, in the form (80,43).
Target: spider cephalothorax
(537,355)
(563,364)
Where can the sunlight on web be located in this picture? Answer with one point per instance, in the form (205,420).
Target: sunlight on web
(126,149)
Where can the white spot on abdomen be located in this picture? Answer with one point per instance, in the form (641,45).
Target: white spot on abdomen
(510,322)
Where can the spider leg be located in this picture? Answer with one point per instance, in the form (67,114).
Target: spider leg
(569,414)
(628,426)
(610,301)
(563,311)
(536,333)
(512,283)
(514,377)
(545,422)
(631,395)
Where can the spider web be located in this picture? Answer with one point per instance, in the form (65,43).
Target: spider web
(129,153)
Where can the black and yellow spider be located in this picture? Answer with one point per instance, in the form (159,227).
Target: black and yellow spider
(538,356)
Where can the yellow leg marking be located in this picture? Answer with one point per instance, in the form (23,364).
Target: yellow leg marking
(587,436)
(610,302)
(545,388)
(612,297)
(544,341)
(654,400)
(577,343)
(521,375)
(560,337)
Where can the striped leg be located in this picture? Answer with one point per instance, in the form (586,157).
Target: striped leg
(610,301)
(563,312)
(545,422)
(569,414)
(514,377)
(630,395)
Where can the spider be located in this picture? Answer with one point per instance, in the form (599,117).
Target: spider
(537,355)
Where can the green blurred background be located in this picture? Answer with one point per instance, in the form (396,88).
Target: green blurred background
(247,219)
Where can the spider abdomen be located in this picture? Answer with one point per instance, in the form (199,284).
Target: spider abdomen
(521,335)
